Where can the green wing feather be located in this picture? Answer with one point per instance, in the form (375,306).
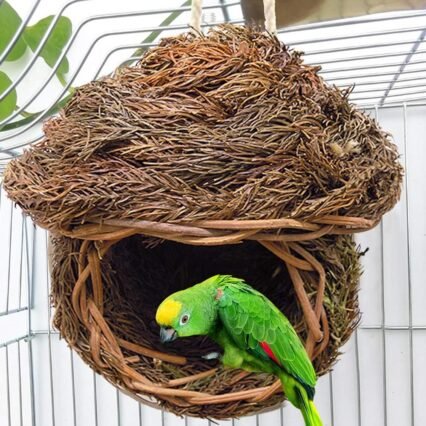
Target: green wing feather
(250,318)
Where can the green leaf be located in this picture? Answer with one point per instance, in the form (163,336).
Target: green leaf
(8,104)
(58,38)
(9,24)
(33,116)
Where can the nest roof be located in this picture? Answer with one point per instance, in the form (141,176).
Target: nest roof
(231,125)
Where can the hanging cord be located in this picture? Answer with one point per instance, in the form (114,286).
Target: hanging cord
(270,18)
(268,7)
(196,12)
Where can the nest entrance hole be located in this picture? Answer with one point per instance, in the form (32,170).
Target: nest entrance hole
(149,274)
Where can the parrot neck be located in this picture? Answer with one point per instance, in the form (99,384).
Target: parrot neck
(220,336)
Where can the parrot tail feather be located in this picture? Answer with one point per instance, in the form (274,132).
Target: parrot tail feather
(308,409)
(297,394)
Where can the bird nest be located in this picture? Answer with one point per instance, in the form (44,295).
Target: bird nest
(105,310)
(215,154)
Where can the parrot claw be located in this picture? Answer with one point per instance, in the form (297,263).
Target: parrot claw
(211,355)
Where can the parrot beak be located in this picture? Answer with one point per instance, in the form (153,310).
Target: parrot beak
(167,335)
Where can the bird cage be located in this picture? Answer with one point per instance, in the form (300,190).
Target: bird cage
(378,377)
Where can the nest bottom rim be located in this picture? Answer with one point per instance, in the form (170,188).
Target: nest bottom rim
(138,269)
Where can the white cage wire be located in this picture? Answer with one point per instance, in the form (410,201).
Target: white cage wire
(380,378)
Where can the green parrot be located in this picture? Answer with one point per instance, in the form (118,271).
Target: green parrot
(252,331)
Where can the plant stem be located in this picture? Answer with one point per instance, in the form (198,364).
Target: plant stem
(153,36)
(23,112)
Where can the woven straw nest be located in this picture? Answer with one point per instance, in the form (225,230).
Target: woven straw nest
(222,153)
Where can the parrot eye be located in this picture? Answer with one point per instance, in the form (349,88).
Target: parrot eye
(184,319)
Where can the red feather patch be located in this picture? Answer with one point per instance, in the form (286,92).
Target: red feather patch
(269,352)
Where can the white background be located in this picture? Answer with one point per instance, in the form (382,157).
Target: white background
(379,380)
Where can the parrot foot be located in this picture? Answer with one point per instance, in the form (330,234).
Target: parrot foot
(212,355)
